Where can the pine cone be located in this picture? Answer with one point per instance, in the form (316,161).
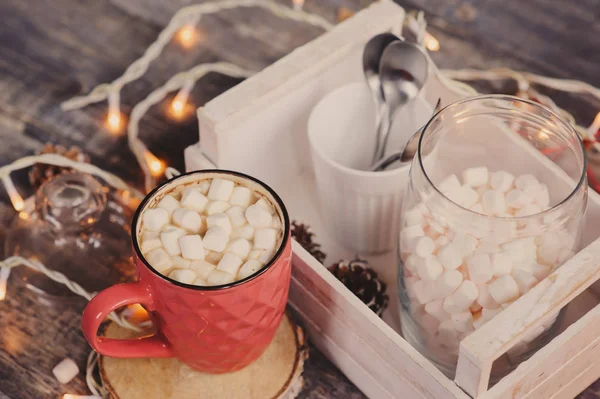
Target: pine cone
(359,278)
(40,173)
(304,236)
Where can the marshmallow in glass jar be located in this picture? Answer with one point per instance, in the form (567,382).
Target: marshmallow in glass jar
(486,216)
(212,232)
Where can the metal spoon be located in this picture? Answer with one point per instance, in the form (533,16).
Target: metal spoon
(371,60)
(409,151)
(403,71)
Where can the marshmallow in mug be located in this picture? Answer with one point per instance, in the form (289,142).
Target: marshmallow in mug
(458,280)
(212,232)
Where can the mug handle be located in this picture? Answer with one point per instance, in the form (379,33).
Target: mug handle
(107,301)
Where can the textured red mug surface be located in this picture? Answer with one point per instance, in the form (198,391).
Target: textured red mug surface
(214,329)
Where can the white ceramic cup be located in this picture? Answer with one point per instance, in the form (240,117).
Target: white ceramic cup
(362,208)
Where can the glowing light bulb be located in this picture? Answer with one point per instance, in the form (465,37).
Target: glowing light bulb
(15,199)
(157,167)
(592,131)
(179,106)
(136,313)
(431,42)
(113,120)
(187,36)
(4,273)
(298,4)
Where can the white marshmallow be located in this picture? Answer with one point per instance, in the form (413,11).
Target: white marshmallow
(450,183)
(258,217)
(250,267)
(159,259)
(185,276)
(219,277)
(528,210)
(516,199)
(490,313)
(462,321)
(521,249)
(168,203)
(65,371)
(501,181)
(265,238)
(276,223)
(503,289)
(202,268)
(484,299)
(447,334)
(493,202)
(221,220)
(170,240)
(187,219)
(435,309)
(213,256)
(477,208)
(201,282)
(465,244)
(413,217)
(266,205)
(424,246)
(475,177)
(450,307)
(230,263)
(431,268)
(465,295)
(239,246)
(564,255)
(501,264)
(155,219)
(468,197)
(413,263)
(203,186)
(436,228)
(236,216)
(246,232)
(193,199)
(450,257)
(525,280)
(407,236)
(216,239)
(255,253)
(214,207)
(524,181)
(480,268)
(266,256)
(422,292)
(441,242)
(151,240)
(447,283)
(180,263)
(241,196)
(542,197)
(191,247)
(220,190)
(539,271)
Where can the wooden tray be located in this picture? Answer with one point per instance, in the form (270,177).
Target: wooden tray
(259,127)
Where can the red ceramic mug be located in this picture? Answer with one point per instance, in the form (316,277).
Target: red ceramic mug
(215,329)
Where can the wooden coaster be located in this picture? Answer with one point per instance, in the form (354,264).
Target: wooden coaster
(276,374)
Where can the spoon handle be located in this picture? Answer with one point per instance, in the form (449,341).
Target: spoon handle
(381,136)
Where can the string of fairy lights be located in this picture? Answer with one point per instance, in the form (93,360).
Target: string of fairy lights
(184,31)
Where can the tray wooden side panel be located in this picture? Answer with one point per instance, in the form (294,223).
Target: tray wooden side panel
(376,349)
(479,350)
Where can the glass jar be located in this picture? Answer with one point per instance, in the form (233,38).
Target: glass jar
(78,227)
(494,203)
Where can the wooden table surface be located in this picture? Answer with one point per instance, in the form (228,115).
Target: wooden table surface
(51,50)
